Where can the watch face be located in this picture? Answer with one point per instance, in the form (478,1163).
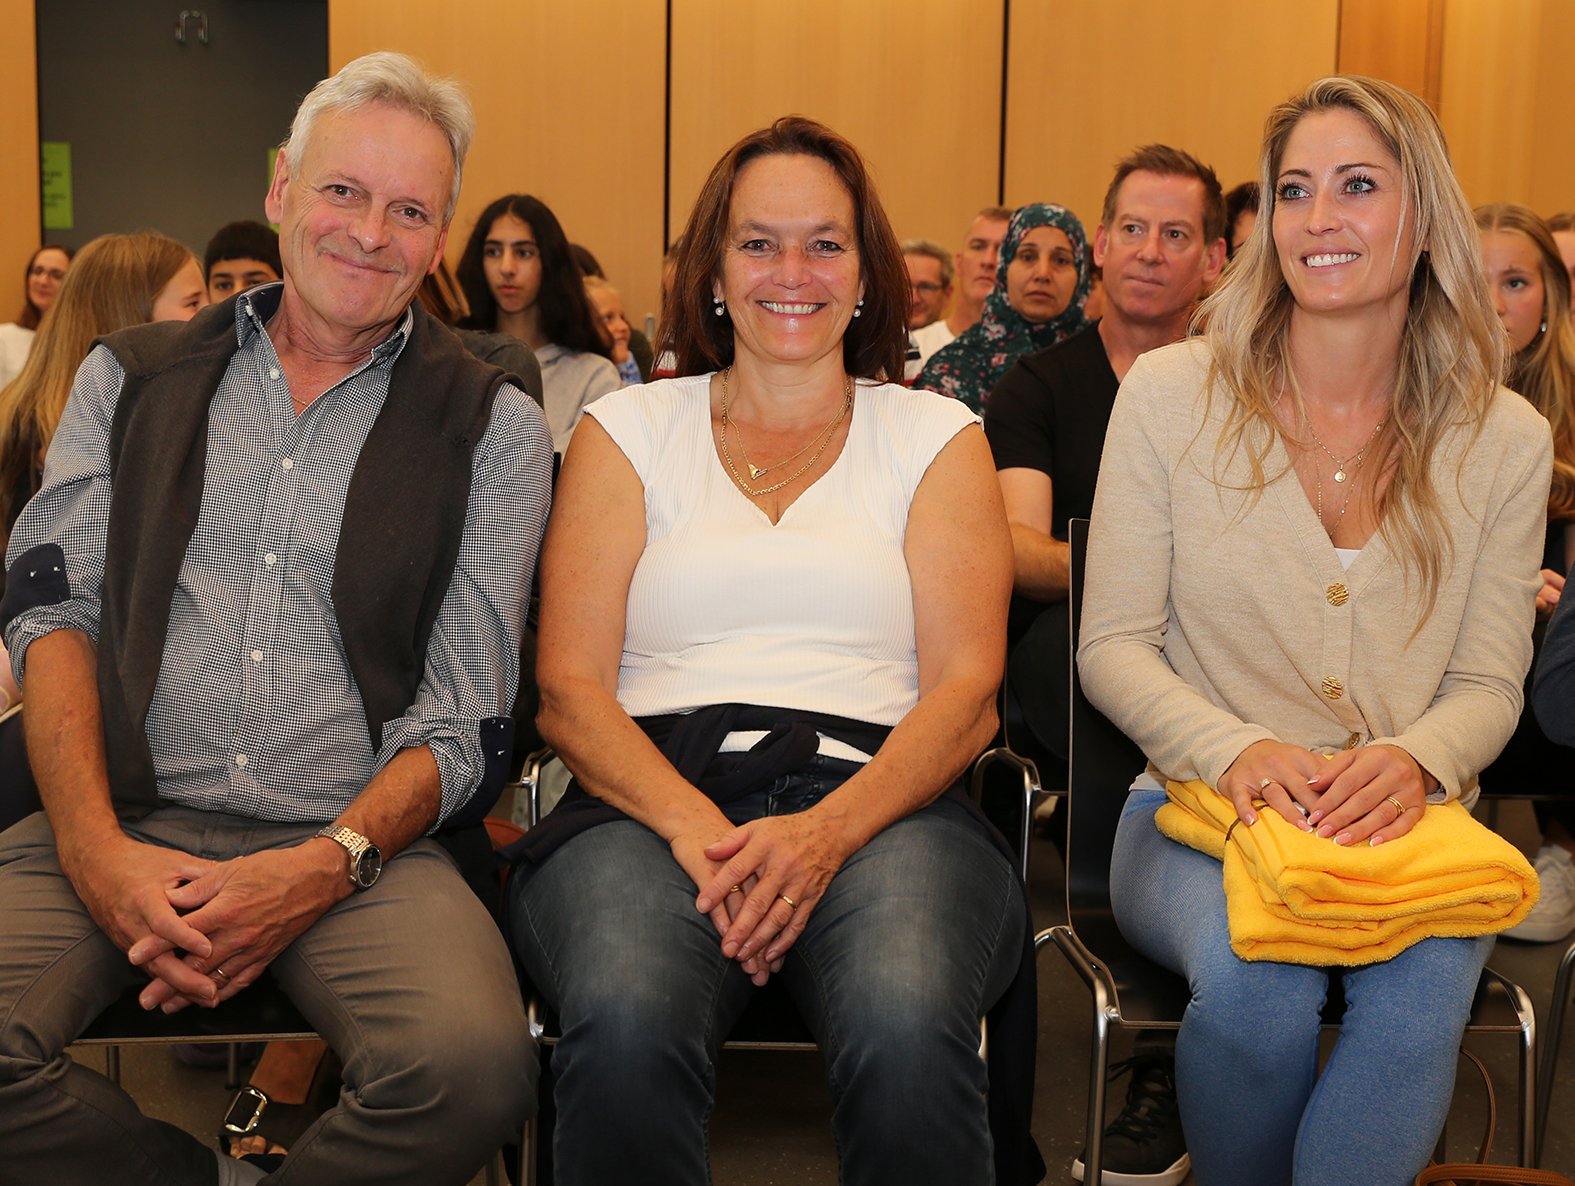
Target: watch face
(369,867)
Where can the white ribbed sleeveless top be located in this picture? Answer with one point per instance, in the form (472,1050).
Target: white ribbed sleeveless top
(813,613)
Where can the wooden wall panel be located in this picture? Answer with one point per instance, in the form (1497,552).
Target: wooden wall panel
(1506,103)
(915,84)
(569,107)
(1092,79)
(1400,41)
(19,200)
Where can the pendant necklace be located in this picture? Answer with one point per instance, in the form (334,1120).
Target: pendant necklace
(1340,475)
(1339,466)
(823,437)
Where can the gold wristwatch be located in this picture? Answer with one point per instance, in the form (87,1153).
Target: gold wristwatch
(366,859)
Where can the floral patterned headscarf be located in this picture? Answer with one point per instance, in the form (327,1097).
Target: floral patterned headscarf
(971,365)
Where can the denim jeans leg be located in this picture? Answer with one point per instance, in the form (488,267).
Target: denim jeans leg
(1253,1105)
(608,931)
(917,935)
(1400,1044)
(1247,1053)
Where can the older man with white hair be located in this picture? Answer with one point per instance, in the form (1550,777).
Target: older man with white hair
(267,611)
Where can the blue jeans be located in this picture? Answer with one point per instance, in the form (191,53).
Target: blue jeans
(1253,1105)
(917,935)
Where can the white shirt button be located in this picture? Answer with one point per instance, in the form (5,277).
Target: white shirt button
(273,372)
(288,463)
(256,656)
(270,559)
(240,759)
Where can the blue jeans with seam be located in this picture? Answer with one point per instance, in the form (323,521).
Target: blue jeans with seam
(1253,1105)
(917,935)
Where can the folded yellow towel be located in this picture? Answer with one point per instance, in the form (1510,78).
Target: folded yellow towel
(1299,899)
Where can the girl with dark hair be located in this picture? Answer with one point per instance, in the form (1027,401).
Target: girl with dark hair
(42,278)
(520,278)
(773,618)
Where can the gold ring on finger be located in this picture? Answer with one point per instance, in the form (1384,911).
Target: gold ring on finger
(221,974)
(1264,783)
(1399,806)
(737,889)
(792,905)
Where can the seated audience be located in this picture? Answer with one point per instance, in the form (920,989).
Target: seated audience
(974,280)
(607,304)
(761,665)
(1241,212)
(929,281)
(1311,579)
(1094,306)
(115,281)
(241,255)
(636,343)
(1042,283)
(41,280)
(1531,291)
(440,295)
(520,278)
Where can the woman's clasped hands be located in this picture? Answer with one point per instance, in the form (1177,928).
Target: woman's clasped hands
(759,883)
(1373,793)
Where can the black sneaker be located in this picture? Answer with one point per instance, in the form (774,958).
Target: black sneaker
(1144,1145)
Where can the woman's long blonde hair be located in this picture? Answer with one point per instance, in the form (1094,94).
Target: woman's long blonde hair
(1544,372)
(1452,352)
(111,284)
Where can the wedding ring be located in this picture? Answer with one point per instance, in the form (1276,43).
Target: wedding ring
(221,974)
(1264,782)
(792,905)
(737,889)
(1399,807)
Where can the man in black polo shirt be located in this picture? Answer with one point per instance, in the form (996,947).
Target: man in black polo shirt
(1160,242)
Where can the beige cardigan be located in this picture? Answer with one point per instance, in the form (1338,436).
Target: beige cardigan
(1212,620)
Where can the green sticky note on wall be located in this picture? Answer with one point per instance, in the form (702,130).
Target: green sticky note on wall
(55,177)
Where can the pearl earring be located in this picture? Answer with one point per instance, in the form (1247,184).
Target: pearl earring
(858,309)
(720,306)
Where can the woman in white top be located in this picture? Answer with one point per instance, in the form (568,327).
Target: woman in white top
(774,597)
(45,272)
(1311,577)
(519,278)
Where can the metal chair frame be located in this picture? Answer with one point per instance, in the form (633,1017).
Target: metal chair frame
(1550,1048)
(1131,991)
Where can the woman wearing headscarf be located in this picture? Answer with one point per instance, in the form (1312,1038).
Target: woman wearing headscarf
(1041,284)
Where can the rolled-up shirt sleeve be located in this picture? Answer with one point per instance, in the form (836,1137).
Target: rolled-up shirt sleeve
(472,659)
(55,558)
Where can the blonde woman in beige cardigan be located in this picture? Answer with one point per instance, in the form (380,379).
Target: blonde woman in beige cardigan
(1311,580)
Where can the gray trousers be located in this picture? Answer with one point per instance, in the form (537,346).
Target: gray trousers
(410,982)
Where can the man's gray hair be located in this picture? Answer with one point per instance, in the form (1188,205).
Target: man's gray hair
(399,81)
(933,250)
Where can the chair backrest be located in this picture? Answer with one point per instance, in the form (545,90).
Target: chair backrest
(1104,761)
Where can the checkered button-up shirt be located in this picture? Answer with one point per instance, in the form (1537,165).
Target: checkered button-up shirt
(255,712)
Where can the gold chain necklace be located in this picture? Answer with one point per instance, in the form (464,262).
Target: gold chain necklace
(823,436)
(1339,466)
(1339,476)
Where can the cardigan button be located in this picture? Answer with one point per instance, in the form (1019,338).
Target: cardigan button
(1332,687)
(1337,594)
